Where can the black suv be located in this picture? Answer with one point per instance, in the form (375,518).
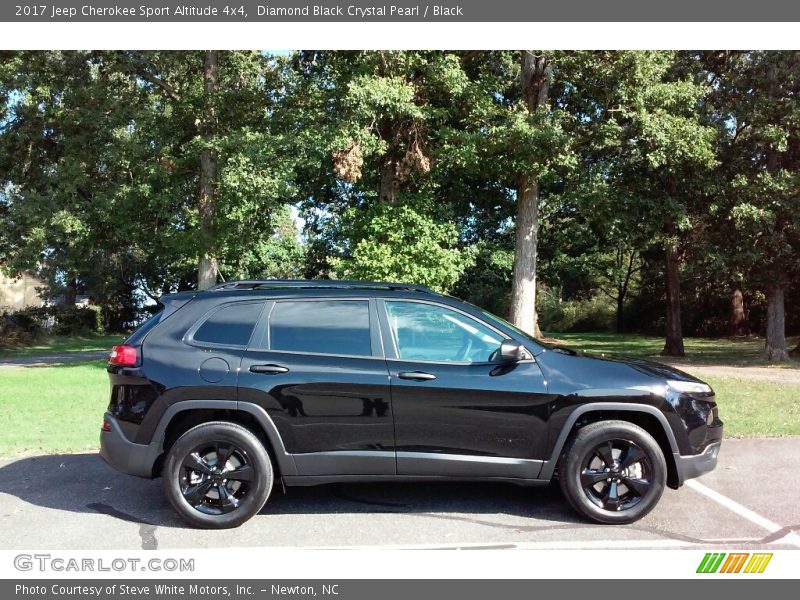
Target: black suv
(328,381)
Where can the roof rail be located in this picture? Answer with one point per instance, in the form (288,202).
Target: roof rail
(267,284)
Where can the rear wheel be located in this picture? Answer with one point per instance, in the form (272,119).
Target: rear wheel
(613,472)
(217,475)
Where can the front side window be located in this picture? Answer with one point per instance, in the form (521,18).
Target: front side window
(434,333)
(321,327)
(232,325)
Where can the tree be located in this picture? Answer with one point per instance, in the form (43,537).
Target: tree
(535,75)
(220,134)
(371,130)
(645,141)
(758,117)
(142,164)
(207,267)
(398,243)
(511,142)
(66,117)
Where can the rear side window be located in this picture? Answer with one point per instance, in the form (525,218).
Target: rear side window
(323,327)
(231,325)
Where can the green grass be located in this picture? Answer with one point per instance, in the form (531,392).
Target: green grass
(52,409)
(757,408)
(57,345)
(699,351)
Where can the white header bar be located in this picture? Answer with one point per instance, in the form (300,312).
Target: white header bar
(393,36)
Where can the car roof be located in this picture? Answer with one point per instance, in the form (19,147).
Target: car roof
(299,288)
(305,284)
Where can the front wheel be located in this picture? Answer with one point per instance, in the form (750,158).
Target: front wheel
(613,472)
(217,475)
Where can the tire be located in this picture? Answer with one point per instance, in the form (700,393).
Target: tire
(210,497)
(593,479)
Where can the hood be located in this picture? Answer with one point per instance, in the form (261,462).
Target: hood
(656,369)
(589,370)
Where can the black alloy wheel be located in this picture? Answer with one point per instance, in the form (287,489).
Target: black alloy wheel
(612,472)
(615,475)
(215,478)
(217,475)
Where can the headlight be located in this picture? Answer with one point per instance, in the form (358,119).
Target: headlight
(689,387)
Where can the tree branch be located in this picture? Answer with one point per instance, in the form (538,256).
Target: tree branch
(607,293)
(159,83)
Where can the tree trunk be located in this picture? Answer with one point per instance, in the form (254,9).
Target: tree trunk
(622,288)
(71,292)
(523,288)
(389,185)
(673,345)
(207,267)
(535,76)
(737,321)
(775,347)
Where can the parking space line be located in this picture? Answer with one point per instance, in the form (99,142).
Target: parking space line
(755,518)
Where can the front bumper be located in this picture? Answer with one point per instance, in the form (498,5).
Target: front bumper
(689,467)
(124,455)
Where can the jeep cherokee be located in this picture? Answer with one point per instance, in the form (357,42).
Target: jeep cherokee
(314,382)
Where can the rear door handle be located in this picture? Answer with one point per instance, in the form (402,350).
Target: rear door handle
(416,376)
(268,369)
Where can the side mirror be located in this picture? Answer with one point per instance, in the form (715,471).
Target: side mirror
(511,351)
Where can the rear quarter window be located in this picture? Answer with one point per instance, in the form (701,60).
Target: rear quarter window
(230,325)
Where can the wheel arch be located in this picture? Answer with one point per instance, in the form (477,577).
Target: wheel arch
(647,417)
(183,415)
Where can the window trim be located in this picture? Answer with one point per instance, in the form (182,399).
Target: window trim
(263,341)
(395,354)
(188,337)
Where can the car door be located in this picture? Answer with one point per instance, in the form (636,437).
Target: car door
(316,366)
(458,410)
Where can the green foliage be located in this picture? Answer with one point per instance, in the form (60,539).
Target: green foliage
(57,320)
(77,320)
(756,211)
(487,282)
(587,314)
(388,243)
(107,200)
(23,326)
(280,255)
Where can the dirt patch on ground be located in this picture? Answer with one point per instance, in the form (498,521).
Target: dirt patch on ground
(774,375)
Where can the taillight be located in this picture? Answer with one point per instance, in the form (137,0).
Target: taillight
(123,356)
(106,425)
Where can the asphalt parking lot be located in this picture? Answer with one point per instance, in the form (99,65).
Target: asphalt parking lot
(61,502)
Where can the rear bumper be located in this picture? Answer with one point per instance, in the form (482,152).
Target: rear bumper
(689,467)
(124,455)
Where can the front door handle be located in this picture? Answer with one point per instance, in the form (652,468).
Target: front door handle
(268,369)
(416,376)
